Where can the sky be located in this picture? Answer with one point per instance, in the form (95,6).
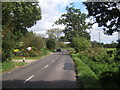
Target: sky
(53,9)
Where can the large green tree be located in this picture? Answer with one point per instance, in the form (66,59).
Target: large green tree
(106,14)
(75,23)
(16,18)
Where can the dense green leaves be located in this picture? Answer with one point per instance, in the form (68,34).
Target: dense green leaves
(80,43)
(19,15)
(32,40)
(50,44)
(75,23)
(103,65)
(16,18)
(106,14)
(85,75)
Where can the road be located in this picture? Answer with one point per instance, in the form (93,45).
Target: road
(54,71)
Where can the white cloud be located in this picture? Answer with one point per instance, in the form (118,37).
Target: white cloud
(98,31)
(51,13)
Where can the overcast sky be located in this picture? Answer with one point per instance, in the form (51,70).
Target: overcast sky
(53,9)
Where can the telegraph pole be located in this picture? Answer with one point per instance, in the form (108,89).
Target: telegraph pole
(99,36)
(118,35)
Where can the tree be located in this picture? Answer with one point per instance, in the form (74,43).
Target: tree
(32,40)
(7,47)
(80,44)
(54,33)
(106,14)
(16,18)
(50,44)
(75,23)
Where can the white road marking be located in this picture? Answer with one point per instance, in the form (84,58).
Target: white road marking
(46,66)
(52,60)
(28,78)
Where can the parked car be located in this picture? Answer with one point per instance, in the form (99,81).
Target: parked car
(58,50)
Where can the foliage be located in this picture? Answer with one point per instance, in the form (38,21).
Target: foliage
(61,45)
(118,51)
(103,65)
(30,39)
(16,18)
(112,45)
(7,46)
(63,39)
(75,23)
(54,33)
(85,75)
(50,44)
(80,43)
(106,14)
(6,66)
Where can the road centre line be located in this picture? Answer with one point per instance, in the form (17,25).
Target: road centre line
(46,66)
(53,60)
(28,78)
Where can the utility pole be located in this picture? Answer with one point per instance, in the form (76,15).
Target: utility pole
(118,35)
(99,36)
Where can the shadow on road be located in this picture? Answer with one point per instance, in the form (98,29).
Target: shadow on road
(39,84)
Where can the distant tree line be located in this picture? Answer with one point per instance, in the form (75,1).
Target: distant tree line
(110,45)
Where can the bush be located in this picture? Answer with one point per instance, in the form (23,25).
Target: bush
(50,44)
(103,65)
(85,75)
(81,44)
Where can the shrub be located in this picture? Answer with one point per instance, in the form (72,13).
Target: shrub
(103,65)
(81,44)
(85,75)
(50,44)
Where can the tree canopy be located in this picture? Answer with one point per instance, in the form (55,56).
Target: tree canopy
(54,33)
(16,18)
(31,39)
(75,23)
(106,14)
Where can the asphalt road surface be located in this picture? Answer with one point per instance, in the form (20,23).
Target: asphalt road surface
(54,71)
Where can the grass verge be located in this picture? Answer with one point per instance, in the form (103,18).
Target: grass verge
(7,66)
(85,75)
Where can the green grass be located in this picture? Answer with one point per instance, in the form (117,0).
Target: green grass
(27,57)
(7,66)
(86,76)
(110,49)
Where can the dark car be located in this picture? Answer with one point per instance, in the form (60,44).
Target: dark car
(58,50)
